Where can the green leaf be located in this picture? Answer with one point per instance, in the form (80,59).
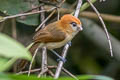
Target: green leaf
(33,77)
(86,5)
(12,7)
(96,77)
(5,63)
(101,41)
(4,77)
(10,48)
(21,77)
(87,77)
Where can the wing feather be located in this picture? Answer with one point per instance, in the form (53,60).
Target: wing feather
(49,34)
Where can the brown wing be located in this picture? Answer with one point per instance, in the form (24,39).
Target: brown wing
(49,34)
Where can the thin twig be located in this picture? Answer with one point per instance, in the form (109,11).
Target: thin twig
(70,74)
(33,58)
(65,71)
(77,11)
(51,73)
(89,14)
(44,50)
(112,18)
(34,70)
(104,26)
(42,72)
(43,22)
(60,64)
(52,67)
(73,5)
(25,14)
(44,61)
(48,18)
(106,17)
(64,53)
(48,2)
(23,72)
(2,26)
(58,17)
(14,32)
(44,53)
(34,8)
(61,3)
(65,10)
(86,5)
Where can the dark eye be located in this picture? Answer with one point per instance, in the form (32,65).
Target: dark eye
(74,24)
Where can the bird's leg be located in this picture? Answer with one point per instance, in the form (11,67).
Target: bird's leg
(69,43)
(60,58)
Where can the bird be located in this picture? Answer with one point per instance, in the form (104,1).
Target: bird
(55,34)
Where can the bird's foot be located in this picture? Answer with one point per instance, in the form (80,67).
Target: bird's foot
(59,57)
(69,43)
(62,59)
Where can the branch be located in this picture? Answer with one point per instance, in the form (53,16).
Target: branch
(25,14)
(60,64)
(44,53)
(64,10)
(2,26)
(85,6)
(104,26)
(14,31)
(43,22)
(33,58)
(92,15)
(50,72)
(106,17)
(65,71)
(64,53)
(23,72)
(77,11)
(44,50)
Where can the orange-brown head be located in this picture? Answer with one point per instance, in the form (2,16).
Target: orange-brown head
(70,23)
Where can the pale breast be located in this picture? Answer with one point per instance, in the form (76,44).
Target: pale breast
(54,45)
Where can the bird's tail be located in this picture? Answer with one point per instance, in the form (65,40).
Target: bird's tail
(21,64)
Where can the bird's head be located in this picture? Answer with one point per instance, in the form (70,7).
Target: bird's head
(70,23)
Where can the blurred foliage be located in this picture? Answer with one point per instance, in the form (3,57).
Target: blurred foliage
(12,7)
(7,45)
(10,51)
(89,53)
(33,77)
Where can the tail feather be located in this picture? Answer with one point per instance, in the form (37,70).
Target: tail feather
(22,63)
